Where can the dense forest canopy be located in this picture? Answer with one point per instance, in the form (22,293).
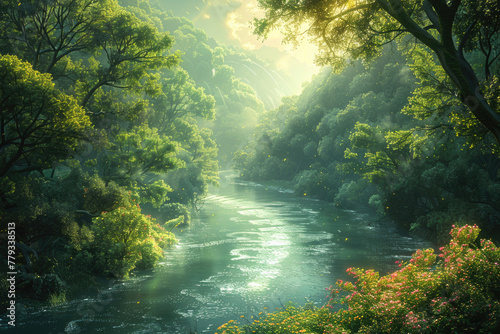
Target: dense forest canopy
(455,31)
(113,109)
(397,130)
(363,138)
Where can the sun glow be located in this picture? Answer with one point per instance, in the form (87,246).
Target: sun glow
(230,23)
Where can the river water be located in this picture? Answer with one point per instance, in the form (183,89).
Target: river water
(250,249)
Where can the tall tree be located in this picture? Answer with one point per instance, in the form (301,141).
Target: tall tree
(38,124)
(47,33)
(44,32)
(180,97)
(343,28)
(130,48)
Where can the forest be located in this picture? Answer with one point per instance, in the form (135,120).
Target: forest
(117,116)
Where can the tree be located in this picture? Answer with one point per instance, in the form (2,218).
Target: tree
(180,97)
(130,48)
(450,29)
(39,124)
(44,32)
(124,238)
(198,151)
(47,33)
(135,159)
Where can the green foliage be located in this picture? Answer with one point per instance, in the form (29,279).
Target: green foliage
(155,193)
(136,159)
(79,236)
(436,98)
(435,93)
(320,183)
(46,33)
(130,47)
(342,30)
(150,253)
(180,97)
(376,202)
(317,141)
(102,131)
(139,151)
(213,68)
(292,320)
(100,196)
(47,287)
(124,239)
(351,193)
(42,208)
(40,125)
(170,212)
(453,292)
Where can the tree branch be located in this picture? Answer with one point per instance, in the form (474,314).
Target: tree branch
(396,10)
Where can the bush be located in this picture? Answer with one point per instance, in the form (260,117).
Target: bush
(292,320)
(43,287)
(123,237)
(47,285)
(174,210)
(376,202)
(316,183)
(100,196)
(457,294)
(436,224)
(456,291)
(150,254)
(354,194)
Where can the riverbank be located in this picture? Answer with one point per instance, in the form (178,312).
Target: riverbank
(453,292)
(251,246)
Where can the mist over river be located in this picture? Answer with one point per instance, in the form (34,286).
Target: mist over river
(250,249)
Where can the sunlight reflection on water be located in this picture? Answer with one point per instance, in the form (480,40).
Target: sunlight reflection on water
(250,247)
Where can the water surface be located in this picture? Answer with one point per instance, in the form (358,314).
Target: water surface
(250,249)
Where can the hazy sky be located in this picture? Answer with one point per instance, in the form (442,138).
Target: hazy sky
(229,22)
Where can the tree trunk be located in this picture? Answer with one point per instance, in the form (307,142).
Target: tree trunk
(464,78)
(456,67)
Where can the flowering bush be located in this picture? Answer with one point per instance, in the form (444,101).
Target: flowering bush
(457,291)
(292,320)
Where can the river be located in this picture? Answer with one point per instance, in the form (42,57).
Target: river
(250,249)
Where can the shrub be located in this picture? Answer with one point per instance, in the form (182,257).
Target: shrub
(458,293)
(150,253)
(100,196)
(123,237)
(43,287)
(355,193)
(316,183)
(171,211)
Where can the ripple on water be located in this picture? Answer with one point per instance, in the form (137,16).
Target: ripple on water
(264,222)
(239,254)
(257,212)
(246,235)
(249,248)
(320,249)
(320,236)
(73,327)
